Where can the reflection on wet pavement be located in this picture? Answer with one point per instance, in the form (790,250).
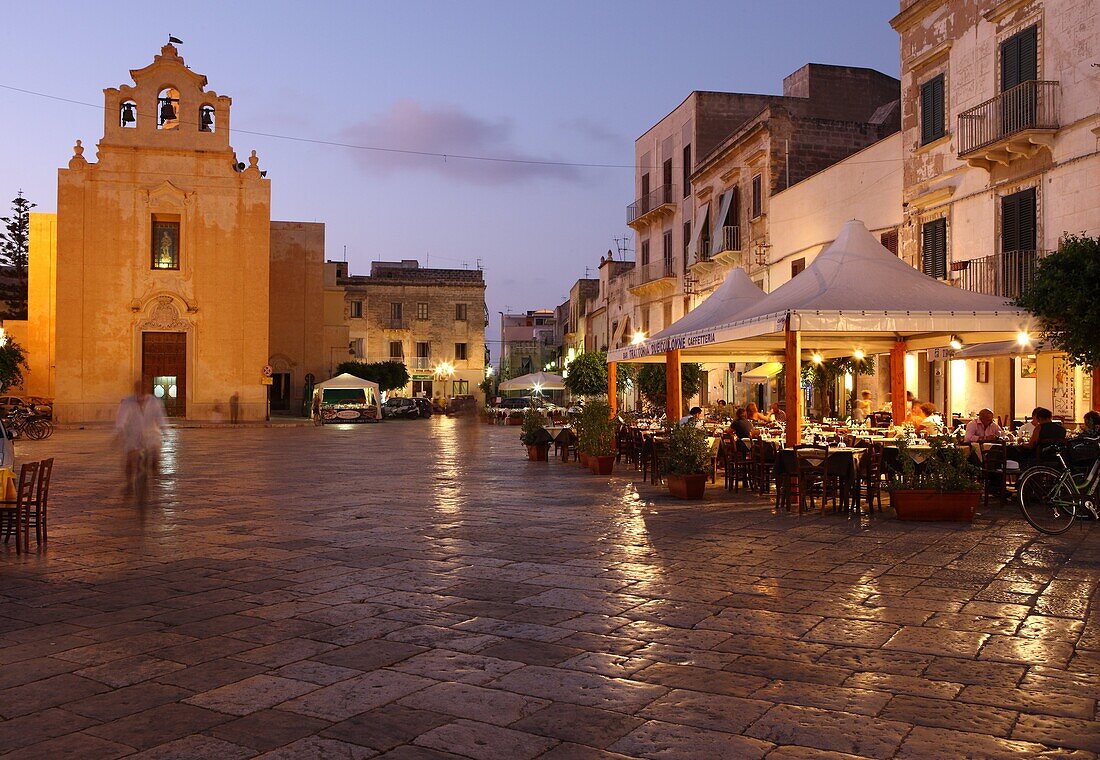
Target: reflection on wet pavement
(420,590)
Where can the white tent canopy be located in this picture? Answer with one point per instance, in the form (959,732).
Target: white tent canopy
(542,381)
(347,381)
(855,295)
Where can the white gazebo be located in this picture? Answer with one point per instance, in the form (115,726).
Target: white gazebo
(348,399)
(536,381)
(856,297)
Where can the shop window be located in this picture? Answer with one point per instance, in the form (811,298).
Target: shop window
(460,387)
(165,243)
(460,351)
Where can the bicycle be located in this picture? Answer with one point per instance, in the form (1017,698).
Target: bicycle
(26,423)
(1052,499)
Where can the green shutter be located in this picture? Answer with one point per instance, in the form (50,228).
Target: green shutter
(926,98)
(934,248)
(1018,228)
(1020,58)
(932,110)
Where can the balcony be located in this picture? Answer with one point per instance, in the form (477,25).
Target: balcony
(1006,274)
(656,203)
(420,362)
(726,250)
(1015,124)
(654,275)
(398,324)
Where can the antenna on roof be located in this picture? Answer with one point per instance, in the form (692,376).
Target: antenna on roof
(345,254)
(623,245)
(479,263)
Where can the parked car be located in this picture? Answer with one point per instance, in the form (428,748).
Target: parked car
(425,406)
(41,406)
(397,407)
(516,402)
(462,405)
(8,403)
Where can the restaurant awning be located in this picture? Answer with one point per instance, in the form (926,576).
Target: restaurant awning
(537,381)
(997,348)
(763,373)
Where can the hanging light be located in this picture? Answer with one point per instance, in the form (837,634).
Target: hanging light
(1023,338)
(128,116)
(956,342)
(639,337)
(817,358)
(858,355)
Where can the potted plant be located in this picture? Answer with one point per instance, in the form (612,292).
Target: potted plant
(946,487)
(534,435)
(598,439)
(578,423)
(688,460)
(515,417)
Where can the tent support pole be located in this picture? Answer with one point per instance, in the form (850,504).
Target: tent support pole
(612,390)
(792,381)
(897,382)
(674,407)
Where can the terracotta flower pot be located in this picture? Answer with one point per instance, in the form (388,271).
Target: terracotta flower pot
(933,506)
(602,465)
(538,452)
(687,486)
(514,421)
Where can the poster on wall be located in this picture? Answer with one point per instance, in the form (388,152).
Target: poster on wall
(1062,389)
(1027,367)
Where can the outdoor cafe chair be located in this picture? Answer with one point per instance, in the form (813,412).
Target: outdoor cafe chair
(565,443)
(738,466)
(997,471)
(16,513)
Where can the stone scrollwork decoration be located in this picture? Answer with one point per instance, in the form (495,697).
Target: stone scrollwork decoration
(165,316)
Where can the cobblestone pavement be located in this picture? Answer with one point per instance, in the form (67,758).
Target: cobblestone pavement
(419,590)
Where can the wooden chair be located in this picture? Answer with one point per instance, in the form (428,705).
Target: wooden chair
(565,443)
(787,481)
(39,515)
(738,466)
(17,513)
(763,463)
(996,471)
(869,484)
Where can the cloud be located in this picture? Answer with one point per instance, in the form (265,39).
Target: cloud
(597,133)
(410,126)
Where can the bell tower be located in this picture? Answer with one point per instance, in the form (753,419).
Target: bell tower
(168,106)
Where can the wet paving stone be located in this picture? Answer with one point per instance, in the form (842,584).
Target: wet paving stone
(423,592)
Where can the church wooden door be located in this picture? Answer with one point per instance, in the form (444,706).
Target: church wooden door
(164,369)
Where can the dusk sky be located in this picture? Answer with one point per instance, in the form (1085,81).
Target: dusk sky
(563,81)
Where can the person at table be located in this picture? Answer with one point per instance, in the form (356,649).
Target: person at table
(862,408)
(1090,427)
(916,414)
(752,411)
(932,424)
(742,428)
(983,428)
(693,417)
(776,414)
(1045,431)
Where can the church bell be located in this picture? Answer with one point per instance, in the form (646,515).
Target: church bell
(128,114)
(206,119)
(167,110)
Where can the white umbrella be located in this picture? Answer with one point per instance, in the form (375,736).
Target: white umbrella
(536,381)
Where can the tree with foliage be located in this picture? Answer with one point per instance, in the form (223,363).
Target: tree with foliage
(1062,295)
(651,382)
(389,375)
(14,250)
(587,375)
(16,234)
(825,375)
(13,363)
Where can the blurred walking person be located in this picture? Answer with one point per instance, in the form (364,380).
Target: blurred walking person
(140,429)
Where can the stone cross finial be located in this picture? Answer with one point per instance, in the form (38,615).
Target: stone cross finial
(78,161)
(253,161)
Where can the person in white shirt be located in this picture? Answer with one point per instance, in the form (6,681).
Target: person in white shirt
(140,427)
(693,417)
(932,424)
(982,429)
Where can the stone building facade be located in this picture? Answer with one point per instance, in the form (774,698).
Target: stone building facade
(528,342)
(162,267)
(1000,126)
(432,320)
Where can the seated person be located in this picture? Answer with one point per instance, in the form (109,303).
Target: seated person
(776,414)
(916,415)
(693,417)
(752,411)
(862,408)
(1090,428)
(741,427)
(1044,431)
(983,428)
(932,424)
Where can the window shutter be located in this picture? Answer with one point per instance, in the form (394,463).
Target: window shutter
(1010,63)
(1010,223)
(928,248)
(926,113)
(938,107)
(1028,67)
(941,249)
(1026,208)
(934,248)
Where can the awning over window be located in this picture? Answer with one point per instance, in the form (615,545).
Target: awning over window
(697,232)
(763,373)
(719,221)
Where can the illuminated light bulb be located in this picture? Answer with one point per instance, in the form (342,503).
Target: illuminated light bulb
(1023,338)
(858,355)
(639,337)
(817,358)
(956,344)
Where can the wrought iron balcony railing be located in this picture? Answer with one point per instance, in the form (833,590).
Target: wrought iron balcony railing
(1029,105)
(653,271)
(651,201)
(1007,274)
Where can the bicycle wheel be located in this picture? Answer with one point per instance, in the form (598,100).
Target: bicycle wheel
(47,428)
(36,430)
(1047,500)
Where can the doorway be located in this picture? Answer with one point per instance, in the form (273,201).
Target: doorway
(164,369)
(280,392)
